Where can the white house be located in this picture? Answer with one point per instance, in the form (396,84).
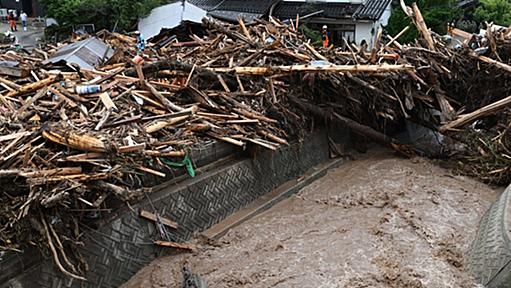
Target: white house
(351,20)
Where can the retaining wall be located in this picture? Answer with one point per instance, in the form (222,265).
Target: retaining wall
(123,245)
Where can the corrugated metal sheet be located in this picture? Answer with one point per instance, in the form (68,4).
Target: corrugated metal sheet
(86,53)
(169,16)
(372,9)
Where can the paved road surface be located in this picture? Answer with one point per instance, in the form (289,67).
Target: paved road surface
(29,38)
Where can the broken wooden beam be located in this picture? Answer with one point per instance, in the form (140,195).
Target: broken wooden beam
(272,70)
(181,246)
(468,118)
(157,218)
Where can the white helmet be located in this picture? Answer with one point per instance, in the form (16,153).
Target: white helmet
(325,27)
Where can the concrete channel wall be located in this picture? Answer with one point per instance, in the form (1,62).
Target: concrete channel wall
(123,245)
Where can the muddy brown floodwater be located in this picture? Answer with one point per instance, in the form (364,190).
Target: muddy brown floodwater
(376,221)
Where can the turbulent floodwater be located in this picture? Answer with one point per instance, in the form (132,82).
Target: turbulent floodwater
(376,221)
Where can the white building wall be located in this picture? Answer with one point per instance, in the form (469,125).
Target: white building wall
(364,29)
(363,32)
(384,19)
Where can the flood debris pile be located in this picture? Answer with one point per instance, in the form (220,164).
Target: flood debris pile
(75,139)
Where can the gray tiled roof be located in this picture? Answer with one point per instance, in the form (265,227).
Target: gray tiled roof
(372,9)
(287,10)
(207,5)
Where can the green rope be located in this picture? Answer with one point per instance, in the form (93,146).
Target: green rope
(186,162)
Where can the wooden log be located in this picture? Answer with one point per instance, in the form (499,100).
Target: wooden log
(314,69)
(28,103)
(352,125)
(368,86)
(393,40)
(226,139)
(376,48)
(52,172)
(10,84)
(218,26)
(76,177)
(131,148)
(74,140)
(14,136)
(244,29)
(497,64)
(254,115)
(158,125)
(156,218)
(166,102)
(314,52)
(28,88)
(477,114)
(272,137)
(85,156)
(181,246)
(151,171)
(421,26)
(57,93)
(120,192)
(171,154)
(55,199)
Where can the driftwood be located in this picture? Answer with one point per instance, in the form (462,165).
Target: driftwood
(314,69)
(479,113)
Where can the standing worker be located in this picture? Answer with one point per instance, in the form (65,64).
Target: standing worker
(324,36)
(140,42)
(24,18)
(12,21)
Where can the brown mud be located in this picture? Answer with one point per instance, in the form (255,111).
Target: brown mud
(377,221)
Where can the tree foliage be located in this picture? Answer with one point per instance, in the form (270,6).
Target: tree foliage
(496,11)
(102,13)
(436,13)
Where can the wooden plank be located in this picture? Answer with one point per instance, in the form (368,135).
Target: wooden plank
(25,89)
(70,102)
(181,246)
(131,148)
(15,71)
(31,101)
(165,221)
(14,135)
(52,172)
(171,154)
(107,101)
(151,171)
(479,113)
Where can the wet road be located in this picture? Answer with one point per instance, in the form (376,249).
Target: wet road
(377,221)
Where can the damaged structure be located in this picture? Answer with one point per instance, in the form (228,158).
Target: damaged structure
(351,21)
(67,151)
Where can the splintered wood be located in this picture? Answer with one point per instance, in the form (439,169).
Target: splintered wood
(74,139)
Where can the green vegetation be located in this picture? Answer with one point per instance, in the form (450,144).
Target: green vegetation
(496,11)
(312,34)
(102,13)
(436,13)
